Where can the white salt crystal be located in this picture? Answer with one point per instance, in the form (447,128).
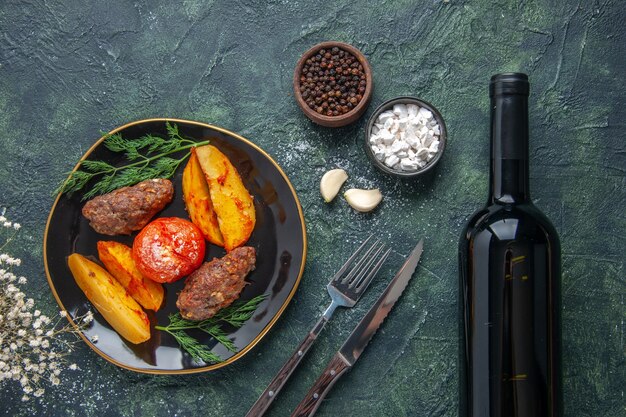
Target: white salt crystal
(391,160)
(408,165)
(400,110)
(384,116)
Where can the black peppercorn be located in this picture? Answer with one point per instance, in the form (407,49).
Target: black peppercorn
(333,82)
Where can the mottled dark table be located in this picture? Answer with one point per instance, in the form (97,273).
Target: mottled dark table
(70,69)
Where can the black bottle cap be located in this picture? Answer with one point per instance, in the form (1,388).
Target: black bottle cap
(509,83)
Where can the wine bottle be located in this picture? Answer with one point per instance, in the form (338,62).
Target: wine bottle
(509,272)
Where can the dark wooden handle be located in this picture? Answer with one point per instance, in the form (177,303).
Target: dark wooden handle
(335,368)
(265,400)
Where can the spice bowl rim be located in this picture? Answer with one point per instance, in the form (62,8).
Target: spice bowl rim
(443,136)
(343,119)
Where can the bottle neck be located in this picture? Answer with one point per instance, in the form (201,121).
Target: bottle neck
(509,149)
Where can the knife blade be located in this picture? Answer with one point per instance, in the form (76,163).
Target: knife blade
(358,340)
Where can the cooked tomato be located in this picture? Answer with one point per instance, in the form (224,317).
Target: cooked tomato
(168,249)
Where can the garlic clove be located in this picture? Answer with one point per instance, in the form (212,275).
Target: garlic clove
(331,183)
(363,200)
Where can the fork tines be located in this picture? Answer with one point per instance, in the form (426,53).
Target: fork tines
(362,266)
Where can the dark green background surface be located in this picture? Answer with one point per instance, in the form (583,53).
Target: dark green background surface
(69,70)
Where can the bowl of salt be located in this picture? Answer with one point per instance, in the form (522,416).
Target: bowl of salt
(405,137)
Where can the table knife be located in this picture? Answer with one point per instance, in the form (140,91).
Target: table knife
(351,350)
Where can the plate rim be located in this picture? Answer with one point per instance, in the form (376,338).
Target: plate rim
(261,334)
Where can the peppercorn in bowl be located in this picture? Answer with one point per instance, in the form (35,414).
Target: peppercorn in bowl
(333,84)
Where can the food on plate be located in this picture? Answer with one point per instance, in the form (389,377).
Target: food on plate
(198,201)
(216,284)
(168,248)
(127,209)
(111,299)
(331,183)
(232,202)
(118,260)
(149,156)
(363,200)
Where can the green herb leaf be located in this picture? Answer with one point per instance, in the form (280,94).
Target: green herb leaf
(96,166)
(148,158)
(235,315)
(197,350)
(218,334)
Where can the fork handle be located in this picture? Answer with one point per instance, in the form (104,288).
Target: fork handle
(265,400)
(337,366)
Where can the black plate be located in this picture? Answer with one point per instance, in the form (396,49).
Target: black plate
(279,238)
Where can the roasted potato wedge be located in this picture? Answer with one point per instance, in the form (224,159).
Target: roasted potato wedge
(232,202)
(118,260)
(110,299)
(198,201)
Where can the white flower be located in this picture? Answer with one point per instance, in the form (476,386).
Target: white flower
(28,338)
(88,318)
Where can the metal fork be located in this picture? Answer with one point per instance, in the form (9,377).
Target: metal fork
(345,289)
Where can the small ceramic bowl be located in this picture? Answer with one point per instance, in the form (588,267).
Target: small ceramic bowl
(388,105)
(343,119)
